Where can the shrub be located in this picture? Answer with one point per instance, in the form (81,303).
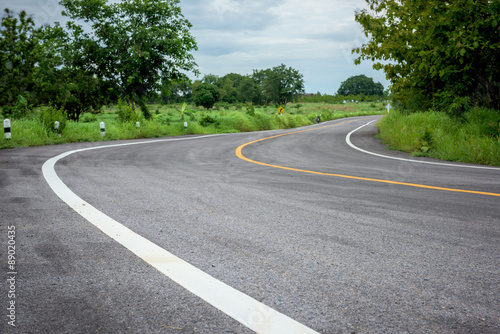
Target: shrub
(250,108)
(208,120)
(50,116)
(126,114)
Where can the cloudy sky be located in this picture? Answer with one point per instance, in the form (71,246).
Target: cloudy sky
(314,36)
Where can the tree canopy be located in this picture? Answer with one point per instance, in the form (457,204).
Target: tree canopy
(206,95)
(138,45)
(442,54)
(360,84)
(280,84)
(19,52)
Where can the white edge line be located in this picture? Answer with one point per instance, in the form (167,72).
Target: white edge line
(239,306)
(348,141)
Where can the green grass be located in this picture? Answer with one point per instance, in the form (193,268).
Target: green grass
(475,138)
(168,121)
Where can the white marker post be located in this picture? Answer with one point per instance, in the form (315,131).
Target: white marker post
(103,130)
(138,124)
(388,106)
(56,127)
(6,128)
(185,124)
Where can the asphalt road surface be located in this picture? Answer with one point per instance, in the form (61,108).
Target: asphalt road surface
(209,235)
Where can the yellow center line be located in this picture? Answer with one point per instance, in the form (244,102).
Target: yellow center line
(240,155)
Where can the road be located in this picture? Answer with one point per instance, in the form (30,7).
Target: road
(312,231)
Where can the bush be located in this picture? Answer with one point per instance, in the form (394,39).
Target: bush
(250,108)
(208,120)
(126,114)
(237,121)
(88,118)
(50,116)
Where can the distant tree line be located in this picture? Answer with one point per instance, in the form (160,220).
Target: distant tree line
(278,85)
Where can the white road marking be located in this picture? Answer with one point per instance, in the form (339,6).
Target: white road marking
(243,308)
(348,141)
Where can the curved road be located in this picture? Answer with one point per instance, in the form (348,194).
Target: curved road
(366,244)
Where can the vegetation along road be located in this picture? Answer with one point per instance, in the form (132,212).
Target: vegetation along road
(275,231)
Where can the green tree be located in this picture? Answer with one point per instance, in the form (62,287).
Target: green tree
(206,95)
(435,53)
(210,79)
(360,84)
(250,91)
(138,45)
(177,91)
(19,53)
(280,84)
(62,83)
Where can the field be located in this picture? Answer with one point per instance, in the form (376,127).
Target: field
(169,120)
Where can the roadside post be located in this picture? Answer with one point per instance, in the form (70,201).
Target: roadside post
(103,130)
(138,124)
(6,128)
(56,127)
(388,106)
(186,124)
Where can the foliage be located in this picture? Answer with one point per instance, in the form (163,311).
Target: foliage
(280,84)
(51,115)
(435,53)
(37,73)
(21,109)
(137,45)
(175,91)
(250,108)
(360,84)
(208,120)
(30,131)
(471,138)
(126,114)
(206,95)
(19,52)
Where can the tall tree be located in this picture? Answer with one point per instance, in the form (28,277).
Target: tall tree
(250,91)
(19,54)
(62,83)
(280,84)
(137,44)
(360,84)
(435,53)
(206,95)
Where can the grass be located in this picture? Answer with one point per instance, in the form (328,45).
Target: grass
(168,121)
(473,138)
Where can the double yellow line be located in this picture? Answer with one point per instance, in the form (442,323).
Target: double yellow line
(240,155)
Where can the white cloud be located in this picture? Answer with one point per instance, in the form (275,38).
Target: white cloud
(315,37)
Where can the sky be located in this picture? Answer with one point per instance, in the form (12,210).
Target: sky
(314,37)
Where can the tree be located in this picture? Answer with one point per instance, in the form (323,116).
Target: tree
(206,95)
(177,91)
(249,91)
(280,84)
(360,84)
(435,53)
(139,45)
(59,82)
(19,53)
